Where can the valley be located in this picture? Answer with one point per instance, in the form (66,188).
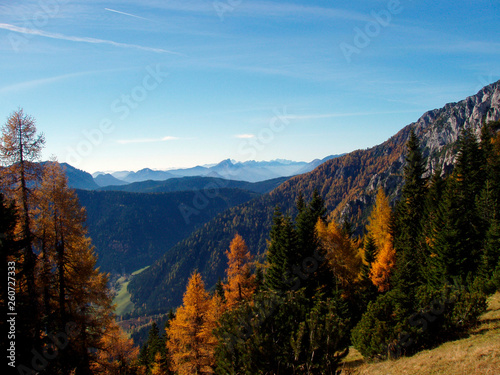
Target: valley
(250,188)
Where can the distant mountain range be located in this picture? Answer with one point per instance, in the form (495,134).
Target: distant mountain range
(251,171)
(348,185)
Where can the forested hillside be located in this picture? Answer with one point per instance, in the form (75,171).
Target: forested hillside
(348,185)
(132,230)
(197,183)
(419,276)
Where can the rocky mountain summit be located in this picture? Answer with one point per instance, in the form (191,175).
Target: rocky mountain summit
(438,131)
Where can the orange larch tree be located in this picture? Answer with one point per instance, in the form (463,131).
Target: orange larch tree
(240,281)
(340,251)
(191,341)
(72,291)
(379,230)
(20,149)
(117,353)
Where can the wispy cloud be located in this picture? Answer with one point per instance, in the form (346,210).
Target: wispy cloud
(24,30)
(29,85)
(146,140)
(244,136)
(126,14)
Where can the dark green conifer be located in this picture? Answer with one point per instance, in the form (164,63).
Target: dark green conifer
(219,289)
(432,225)
(370,253)
(310,267)
(154,344)
(459,240)
(282,255)
(408,220)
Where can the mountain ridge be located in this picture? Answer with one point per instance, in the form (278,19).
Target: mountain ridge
(250,171)
(191,183)
(346,183)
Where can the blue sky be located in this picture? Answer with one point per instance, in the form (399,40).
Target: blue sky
(123,85)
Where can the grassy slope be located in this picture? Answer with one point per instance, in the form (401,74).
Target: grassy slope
(478,354)
(122,300)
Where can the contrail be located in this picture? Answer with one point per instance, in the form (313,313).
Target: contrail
(126,14)
(24,30)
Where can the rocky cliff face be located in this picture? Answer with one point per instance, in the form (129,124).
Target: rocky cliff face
(438,131)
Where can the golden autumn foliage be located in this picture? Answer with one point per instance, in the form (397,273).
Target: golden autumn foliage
(70,287)
(341,252)
(191,341)
(156,369)
(240,282)
(379,221)
(117,352)
(379,229)
(381,268)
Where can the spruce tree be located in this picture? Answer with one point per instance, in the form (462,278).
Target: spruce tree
(408,220)
(460,239)
(310,266)
(282,255)
(431,227)
(151,347)
(369,254)
(489,200)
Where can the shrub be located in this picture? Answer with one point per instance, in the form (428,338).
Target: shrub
(380,325)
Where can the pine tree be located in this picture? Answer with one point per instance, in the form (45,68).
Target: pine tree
(489,200)
(408,221)
(369,256)
(310,266)
(240,281)
(282,255)
(158,366)
(432,226)
(460,239)
(153,345)
(490,259)
(191,342)
(321,339)
(219,288)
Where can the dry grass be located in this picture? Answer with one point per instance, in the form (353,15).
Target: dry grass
(478,354)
